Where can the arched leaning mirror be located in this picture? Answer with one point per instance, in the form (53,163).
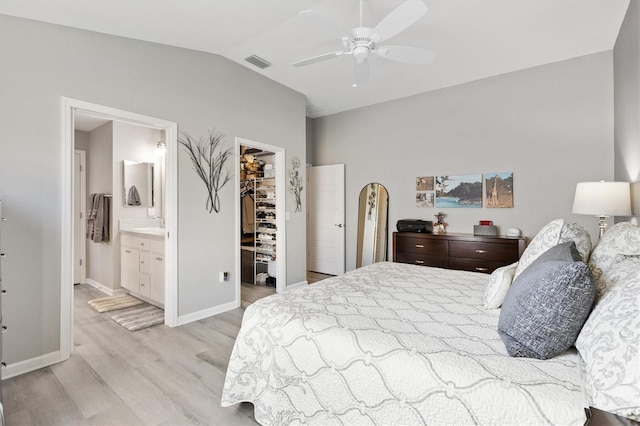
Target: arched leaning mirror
(373,213)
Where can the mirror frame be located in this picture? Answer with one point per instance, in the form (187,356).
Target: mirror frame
(367,201)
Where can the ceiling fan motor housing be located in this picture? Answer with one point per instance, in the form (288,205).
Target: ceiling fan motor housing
(361,44)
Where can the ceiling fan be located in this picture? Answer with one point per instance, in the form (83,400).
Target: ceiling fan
(362,42)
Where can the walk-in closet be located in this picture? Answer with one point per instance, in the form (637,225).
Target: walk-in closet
(258,234)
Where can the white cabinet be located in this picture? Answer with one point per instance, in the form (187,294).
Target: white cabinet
(142,267)
(156,271)
(129,263)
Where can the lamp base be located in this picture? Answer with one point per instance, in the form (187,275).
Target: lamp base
(602,225)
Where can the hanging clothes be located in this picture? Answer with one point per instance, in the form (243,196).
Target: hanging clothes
(248,214)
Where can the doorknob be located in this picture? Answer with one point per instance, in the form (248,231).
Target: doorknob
(339,225)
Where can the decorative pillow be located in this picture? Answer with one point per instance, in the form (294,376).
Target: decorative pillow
(621,238)
(580,236)
(498,286)
(546,238)
(555,232)
(610,340)
(547,304)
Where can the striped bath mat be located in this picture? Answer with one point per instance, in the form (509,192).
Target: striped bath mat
(139,318)
(112,303)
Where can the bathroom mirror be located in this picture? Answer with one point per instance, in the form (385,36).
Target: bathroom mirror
(373,218)
(138,184)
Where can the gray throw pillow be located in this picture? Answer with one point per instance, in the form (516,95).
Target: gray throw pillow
(547,304)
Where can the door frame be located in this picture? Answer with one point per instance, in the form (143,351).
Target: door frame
(69,106)
(83,212)
(281,193)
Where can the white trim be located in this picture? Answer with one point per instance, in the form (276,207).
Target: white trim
(205,313)
(106,290)
(28,365)
(281,228)
(69,106)
(83,211)
(297,285)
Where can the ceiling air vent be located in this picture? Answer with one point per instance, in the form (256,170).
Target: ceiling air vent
(258,61)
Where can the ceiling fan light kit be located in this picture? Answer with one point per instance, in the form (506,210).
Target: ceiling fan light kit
(363,41)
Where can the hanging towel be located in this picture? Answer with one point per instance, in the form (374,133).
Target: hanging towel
(98,218)
(133,198)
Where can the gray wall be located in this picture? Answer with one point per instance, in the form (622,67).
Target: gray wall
(100,256)
(41,63)
(81,140)
(626,63)
(552,126)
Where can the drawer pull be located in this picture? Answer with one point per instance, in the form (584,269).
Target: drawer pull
(4,329)
(479,269)
(4,364)
(142,262)
(127,251)
(3,292)
(3,255)
(419,245)
(159,258)
(419,262)
(481,251)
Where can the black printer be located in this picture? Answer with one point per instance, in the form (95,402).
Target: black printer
(414,225)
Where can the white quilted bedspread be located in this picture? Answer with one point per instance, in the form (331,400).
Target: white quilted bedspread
(393,344)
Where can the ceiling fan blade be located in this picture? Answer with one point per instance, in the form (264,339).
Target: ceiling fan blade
(318,58)
(406,54)
(360,73)
(401,18)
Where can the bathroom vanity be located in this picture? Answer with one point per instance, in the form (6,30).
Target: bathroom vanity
(142,263)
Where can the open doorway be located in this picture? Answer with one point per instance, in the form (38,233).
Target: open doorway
(75,115)
(261,220)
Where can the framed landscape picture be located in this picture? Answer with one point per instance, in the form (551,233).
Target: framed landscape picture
(499,190)
(463,191)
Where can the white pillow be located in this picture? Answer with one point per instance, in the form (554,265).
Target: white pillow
(610,340)
(546,238)
(498,286)
(621,238)
(555,232)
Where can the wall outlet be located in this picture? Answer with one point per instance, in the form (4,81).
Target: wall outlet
(224,277)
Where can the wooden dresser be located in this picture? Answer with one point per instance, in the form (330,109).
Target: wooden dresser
(457,251)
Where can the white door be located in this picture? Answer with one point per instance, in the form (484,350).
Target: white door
(79,211)
(325,213)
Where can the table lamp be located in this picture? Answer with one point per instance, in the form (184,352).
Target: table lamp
(602,199)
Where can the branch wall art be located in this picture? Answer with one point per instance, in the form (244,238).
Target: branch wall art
(209,162)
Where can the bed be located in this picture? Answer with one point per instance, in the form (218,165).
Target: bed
(394,343)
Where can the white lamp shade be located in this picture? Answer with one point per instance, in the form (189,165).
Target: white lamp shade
(603,199)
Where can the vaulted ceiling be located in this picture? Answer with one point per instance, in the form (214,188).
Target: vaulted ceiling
(472,39)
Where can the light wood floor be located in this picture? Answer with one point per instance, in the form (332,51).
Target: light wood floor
(159,375)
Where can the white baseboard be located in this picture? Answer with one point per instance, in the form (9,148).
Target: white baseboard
(103,288)
(195,316)
(296,285)
(18,368)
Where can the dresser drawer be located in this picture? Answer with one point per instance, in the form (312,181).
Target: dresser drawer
(423,246)
(474,265)
(483,250)
(422,259)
